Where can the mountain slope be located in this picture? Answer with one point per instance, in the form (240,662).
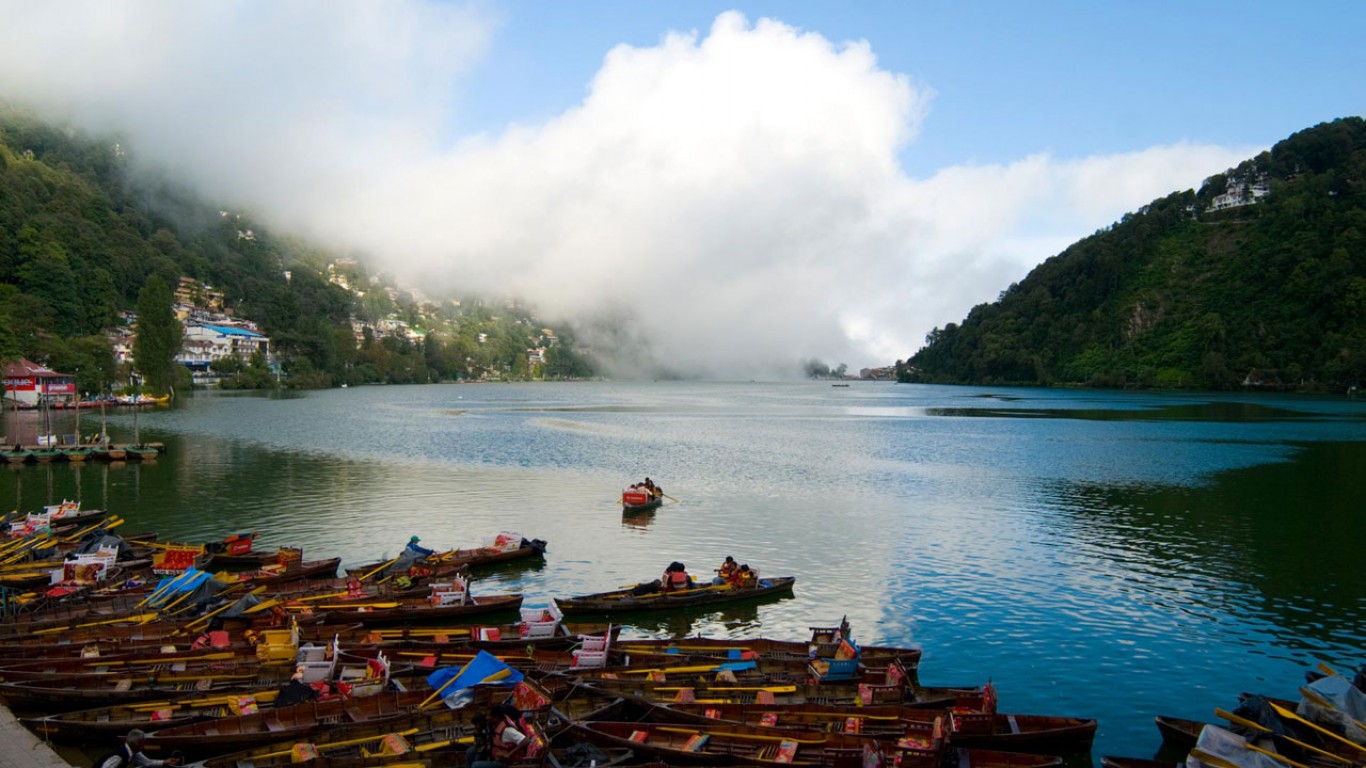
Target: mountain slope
(1260,277)
(80,236)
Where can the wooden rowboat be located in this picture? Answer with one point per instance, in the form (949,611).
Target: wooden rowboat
(1179,733)
(626,600)
(106,725)
(431,731)
(231,733)
(73,692)
(451,561)
(296,571)
(759,648)
(414,610)
(634,501)
(1115,761)
(785,689)
(728,744)
(1009,732)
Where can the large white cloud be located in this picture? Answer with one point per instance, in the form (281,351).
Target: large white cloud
(740,190)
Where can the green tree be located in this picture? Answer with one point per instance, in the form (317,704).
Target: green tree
(158,335)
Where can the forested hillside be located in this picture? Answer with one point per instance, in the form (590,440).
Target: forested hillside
(1257,279)
(79,239)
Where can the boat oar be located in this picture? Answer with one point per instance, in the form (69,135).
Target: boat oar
(1326,704)
(734,688)
(339,744)
(205,618)
(670,498)
(1287,714)
(1210,758)
(19,552)
(117,620)
(749,736)
(1256,726)
(162,589)
(311,598)
(379,568)
(108,523)
(436,695)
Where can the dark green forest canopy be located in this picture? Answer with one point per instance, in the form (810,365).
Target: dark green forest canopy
(1184,293)
(80,238)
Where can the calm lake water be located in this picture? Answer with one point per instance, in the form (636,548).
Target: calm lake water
(1101,554)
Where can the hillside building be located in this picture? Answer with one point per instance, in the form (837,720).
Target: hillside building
(205,344)
(30,384)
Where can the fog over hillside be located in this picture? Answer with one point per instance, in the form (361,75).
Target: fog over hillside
(738,193)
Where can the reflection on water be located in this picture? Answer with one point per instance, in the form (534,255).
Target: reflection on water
(1115,555)
(1217,411)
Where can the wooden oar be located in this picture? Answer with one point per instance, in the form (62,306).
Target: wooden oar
(670,498)
(162,590)
(1283,712)
(311,598)
(417,632)
(1256,726)
(735,688)
(339,744)
(87,625)
(106,524)
(670,670)
(264,605)
(1326,704)
(30,544)
(166,609)
(749,736)
(379,568)
(205,618)
(348,606)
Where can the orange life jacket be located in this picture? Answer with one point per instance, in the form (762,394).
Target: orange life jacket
(508,753)
(675,580)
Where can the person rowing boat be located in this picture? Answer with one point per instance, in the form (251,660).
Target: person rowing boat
(417,549)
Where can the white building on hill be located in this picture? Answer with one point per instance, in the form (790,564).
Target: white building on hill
(205,344)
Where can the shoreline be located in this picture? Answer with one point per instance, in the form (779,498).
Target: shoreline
(20,748)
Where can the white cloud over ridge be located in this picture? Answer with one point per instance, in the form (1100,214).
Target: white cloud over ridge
(739,189)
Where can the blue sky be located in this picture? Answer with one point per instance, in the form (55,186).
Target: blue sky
(744,186)
(1011,78)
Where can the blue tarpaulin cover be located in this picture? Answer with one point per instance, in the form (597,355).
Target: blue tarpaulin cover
(483,668)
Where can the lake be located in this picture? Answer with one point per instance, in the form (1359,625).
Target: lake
(1105,554)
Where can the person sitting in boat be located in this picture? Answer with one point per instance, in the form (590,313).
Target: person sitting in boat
(296,691)
(480,752)
(675,578)
(213,637)
(745,578)
(652,489)
(418,549)
(131,754)
(509,742)
(726,571)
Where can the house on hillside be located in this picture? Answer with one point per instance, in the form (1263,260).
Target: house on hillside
(191,293)
(204,344)
(28,383)
(1241,193)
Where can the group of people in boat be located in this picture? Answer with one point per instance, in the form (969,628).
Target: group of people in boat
(736,575)
(649,487)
